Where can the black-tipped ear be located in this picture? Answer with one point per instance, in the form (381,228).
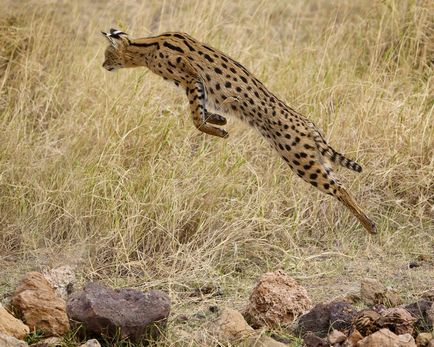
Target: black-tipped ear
(109,38)
(115,33)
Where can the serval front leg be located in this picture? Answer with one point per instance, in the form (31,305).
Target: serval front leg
(196,96)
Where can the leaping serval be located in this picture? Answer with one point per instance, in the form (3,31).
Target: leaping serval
(212,80)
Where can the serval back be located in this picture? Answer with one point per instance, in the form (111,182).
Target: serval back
(214,81)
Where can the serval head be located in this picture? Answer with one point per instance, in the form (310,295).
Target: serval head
(116,52)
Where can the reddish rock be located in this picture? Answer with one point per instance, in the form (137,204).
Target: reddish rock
(336,337)
(277,299)
(366,322)
(353,339)
(311,340)
(230,327)
(12,326)
(38,305)
(398,320)
(374,292)
(125,313)
(385,338)
(423,339)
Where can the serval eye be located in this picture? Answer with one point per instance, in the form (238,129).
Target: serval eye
(210,78)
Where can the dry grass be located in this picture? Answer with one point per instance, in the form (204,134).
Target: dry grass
(106,172)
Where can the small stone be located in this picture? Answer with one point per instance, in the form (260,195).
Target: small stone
(366,322)
(370,290)
(10,341)
(406,340)
(423,339)
(428,295)
(38,304)
(230,327)
(373,292)
(336,337)
(12,326)
(62,279)
(261,341)
(91,343)
(125,313)
(397,320)
(311,340)
(352,340)
(277,299)
(386,338)
(49,342)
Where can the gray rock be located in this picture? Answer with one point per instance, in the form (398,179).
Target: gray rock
(91,343)
(126,313)
(10,341)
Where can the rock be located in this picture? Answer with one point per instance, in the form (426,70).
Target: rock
(423,311)
(336,337)
(62,279)
(261,341)
(311,340)
(366,322)
(317,321)
(277,299)
(49,342)
(9,325)
(431,343)
(230,327)
(10,341)
(337,314)
(423,339)
(91,343)
(407,340)
(352,340)
(41,309)
(385,338)
(398,320)
(428,295)
(126,313)
(341,315)
(373,292)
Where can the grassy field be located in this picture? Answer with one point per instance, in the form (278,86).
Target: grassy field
(106,172)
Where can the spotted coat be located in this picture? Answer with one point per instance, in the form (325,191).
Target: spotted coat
(214,81)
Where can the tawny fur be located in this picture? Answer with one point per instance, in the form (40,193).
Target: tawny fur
(212,80)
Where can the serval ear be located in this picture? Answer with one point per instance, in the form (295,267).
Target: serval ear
(116,37)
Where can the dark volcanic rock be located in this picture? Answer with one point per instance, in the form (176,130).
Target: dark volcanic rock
(125,313)
(319,320)
(421,310)
(341,315)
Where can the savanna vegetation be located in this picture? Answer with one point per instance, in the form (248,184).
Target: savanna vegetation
(105,171)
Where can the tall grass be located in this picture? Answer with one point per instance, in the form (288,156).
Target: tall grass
(106,171)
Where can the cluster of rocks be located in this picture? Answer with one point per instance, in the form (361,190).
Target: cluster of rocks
(45,303)
(384,321)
